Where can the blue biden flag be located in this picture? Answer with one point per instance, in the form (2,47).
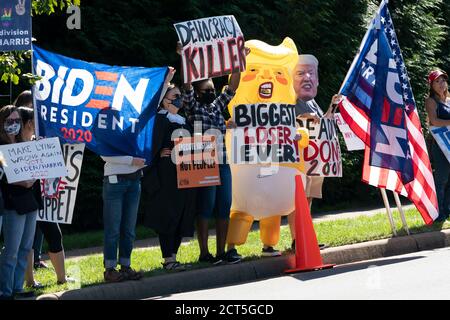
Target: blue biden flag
(111,109)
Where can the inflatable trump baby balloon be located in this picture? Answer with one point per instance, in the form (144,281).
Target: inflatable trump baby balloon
(260,191)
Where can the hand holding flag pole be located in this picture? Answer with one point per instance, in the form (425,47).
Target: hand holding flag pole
(378,105)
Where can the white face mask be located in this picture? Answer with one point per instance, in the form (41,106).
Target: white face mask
(12,129)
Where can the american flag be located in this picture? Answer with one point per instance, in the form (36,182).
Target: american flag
(378,104)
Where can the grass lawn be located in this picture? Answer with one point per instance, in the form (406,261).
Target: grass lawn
(89,269)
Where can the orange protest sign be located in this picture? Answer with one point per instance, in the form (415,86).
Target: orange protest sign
(197,162)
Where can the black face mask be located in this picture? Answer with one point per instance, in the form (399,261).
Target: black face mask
(178,102)
(207,97)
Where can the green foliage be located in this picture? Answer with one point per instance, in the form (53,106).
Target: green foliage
(420,36)
(12,63)
(48,7)
(444,54)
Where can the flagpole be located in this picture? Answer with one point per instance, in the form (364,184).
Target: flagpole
(355,60)
(388,210)
(400,210)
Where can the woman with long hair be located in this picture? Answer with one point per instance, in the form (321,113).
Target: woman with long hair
(22,200)
(51,231)
(438,109)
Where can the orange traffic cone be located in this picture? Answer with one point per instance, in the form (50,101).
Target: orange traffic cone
(307,253)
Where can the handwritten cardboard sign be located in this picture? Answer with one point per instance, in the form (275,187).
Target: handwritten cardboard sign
(212,47)
(41,159)
(59,194)
(323,154)
(352,141)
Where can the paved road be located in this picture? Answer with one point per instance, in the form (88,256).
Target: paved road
(422,275)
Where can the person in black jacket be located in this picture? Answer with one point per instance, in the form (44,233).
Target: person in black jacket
(168,210)
(22,200)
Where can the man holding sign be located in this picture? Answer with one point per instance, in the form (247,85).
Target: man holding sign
(306,81)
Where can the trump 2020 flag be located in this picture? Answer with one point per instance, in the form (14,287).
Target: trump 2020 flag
(379,106)
(109,108)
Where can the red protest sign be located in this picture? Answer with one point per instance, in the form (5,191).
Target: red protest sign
(197,162)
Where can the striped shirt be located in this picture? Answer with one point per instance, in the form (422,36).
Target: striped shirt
(210,115)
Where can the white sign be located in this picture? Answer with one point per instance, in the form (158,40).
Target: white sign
(323,154)
(352,141)
(41,159)
(212,47)
(59,195)
(265,134)
(442,137)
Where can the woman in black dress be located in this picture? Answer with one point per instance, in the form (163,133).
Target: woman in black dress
(168,210)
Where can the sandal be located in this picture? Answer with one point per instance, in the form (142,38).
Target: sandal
(67,280)
(173,266)
(36,285)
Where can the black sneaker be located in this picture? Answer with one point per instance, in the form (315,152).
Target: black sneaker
(232,256)
(270,252)
(219,259)
(207,258)
(40,265)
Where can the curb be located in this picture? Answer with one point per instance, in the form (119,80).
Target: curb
(164,285)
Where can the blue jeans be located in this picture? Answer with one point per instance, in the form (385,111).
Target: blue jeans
(120,208)
(18,232)
(216,198)
(441,180)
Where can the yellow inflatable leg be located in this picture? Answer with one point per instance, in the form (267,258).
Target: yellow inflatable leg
(239,227)
(270,230)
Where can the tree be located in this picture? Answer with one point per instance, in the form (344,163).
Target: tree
(420,36)
(444,55)
(12,63)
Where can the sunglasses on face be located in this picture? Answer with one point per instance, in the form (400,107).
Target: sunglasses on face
(12,121)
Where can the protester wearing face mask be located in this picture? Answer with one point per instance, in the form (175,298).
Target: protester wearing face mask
(51,231)
(25,99)
(168,210)
(205,107)
(22,200)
